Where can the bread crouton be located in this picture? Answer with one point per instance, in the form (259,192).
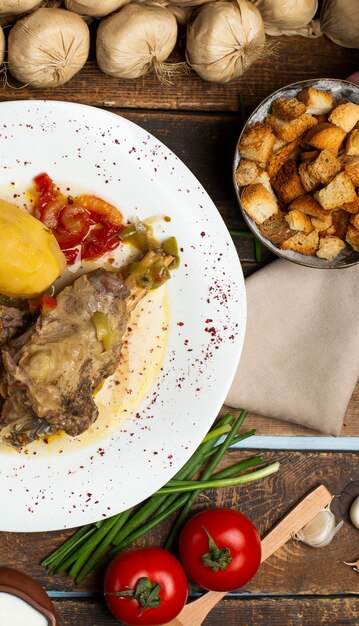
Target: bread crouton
(339,223)
(299,221)
(308,181)
(351,167)
(317,102)
(277,159)
(290,131)
(324,167)
(278,144)
(258,202)
(287,182)
(246,173)
(338,192)
(288,108)
(352,207)
(355,220)
(352,237)
(320,224)
(275,228)
(308,205)
(345,116)
(330,247)
(257,143)
(325,136)
(321,118)
(264,179)
(308,155)
(352,144)
(300,242)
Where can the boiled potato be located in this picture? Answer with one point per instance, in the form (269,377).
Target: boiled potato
(30,257)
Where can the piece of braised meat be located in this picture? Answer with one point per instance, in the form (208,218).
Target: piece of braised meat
(12,320)
(51,371)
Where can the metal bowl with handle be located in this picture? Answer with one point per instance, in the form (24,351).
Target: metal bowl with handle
(341,89)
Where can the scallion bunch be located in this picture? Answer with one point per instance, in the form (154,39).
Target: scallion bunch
(91,543)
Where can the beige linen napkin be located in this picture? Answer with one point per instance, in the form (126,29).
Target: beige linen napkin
(300,360)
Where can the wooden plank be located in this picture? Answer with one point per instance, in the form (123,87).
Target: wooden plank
(248,611)
(294,58)
(309,571)
(206,144)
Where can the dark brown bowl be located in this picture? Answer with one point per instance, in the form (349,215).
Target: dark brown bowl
(340,89)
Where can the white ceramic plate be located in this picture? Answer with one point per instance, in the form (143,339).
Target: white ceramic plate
(88,149)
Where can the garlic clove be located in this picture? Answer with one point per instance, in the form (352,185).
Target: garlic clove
(354,566)
(354,512)
(320,531)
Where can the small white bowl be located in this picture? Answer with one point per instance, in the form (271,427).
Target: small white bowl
(341,89)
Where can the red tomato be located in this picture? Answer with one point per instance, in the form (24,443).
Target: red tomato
(101,208)
(145,586)
(85,227)
(50,213)
(44,304)
(76,219)
(220,549)
(47,190)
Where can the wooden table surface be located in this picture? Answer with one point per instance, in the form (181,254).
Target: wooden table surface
(299,585)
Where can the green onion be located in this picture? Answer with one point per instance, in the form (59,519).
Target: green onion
(238,467)
(152,504)
(119,533)
(93,557)
(224,482)
(128,232)
(83,551)
(150,525)
(225,473)
(170,247)
(217,432)
(205,475)
(245,234)
(73,542)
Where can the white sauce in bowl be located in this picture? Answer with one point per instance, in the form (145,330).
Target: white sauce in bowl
(17,612)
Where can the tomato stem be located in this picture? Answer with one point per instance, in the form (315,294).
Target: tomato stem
(146,593)
(216,558)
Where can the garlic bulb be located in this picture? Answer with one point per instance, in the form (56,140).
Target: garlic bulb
(339,20)
(16,7)
(181,13)
(136,39)
(224,39)
(47,47)
(354,512)
(94,7)
(19,8)
(286,18)
(2,46)
(319,531)
(189,3)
